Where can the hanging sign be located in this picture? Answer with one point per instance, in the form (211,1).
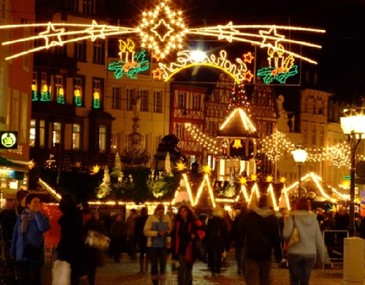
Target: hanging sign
(8,140)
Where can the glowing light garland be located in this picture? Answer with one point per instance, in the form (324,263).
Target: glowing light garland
(238,71)
(204,140)
(163,30)
(275,145)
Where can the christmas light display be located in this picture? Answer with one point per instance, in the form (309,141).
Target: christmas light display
(245,120)
(130,63)
(276,145)
(280,68)
(205,141)
(163,29)
(239,71)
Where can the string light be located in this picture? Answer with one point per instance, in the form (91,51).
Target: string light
(163,29)
(204,140)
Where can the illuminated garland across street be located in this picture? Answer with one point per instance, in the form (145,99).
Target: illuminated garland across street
(163,29)
(238,71)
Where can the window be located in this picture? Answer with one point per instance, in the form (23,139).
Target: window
(56,133)
(102,138)
(80,50)
(196,101)
(98,85)
(32,133)
(181,100)
(98,52)
(130,99)
(157,101)
(179,131)
(88,7)
(60,92)
(76,130)
(78,98)
(42,133)
(116,99)
(144,100)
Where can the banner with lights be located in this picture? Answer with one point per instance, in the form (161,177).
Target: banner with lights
(163,32)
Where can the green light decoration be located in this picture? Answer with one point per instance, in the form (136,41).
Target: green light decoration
(34,96)
(280,67)
(130,69)
(45,96)
(269,74)
(61,97)
(77,98)
(78,101)
(96,100)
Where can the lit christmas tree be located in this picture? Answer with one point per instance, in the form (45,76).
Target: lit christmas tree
(239,99)
(104,188)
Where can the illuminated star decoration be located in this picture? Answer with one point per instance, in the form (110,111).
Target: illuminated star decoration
(52,32)
(163,29)
(206,169)
(269,179)
(180,166)
(243,180)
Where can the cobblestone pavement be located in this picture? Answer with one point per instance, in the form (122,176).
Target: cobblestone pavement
(126,272)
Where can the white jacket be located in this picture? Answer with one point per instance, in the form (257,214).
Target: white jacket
(311,240)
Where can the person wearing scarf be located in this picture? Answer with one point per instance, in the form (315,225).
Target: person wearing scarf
(186,231)
(28,233)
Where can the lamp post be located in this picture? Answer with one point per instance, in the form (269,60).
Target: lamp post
(300,156)
(353,125)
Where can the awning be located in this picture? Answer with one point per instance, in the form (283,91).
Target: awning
(4,162)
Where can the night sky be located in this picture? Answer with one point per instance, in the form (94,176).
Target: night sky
(341,60)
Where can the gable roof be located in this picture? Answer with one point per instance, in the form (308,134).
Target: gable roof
(237,125)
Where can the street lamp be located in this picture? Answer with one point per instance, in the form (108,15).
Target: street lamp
(300,156)
(353,125)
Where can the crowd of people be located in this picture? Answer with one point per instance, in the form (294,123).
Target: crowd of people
(257,234)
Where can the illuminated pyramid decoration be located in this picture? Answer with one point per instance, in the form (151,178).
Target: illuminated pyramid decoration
(238,123)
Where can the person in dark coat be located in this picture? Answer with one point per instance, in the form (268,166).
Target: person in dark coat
(216,236)
(187,229)
(261,230)
(117,237)
(27,246)
(8,218)
(239,239)
(94,257)
(70,246)
(141,240)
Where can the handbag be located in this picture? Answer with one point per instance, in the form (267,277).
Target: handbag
(32,252)
(97,240)
(61,273)
(294,236)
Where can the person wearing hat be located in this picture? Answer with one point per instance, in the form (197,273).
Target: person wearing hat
(157,230)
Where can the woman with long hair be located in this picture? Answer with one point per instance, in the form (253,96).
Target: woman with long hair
(186,230)
(302,256)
